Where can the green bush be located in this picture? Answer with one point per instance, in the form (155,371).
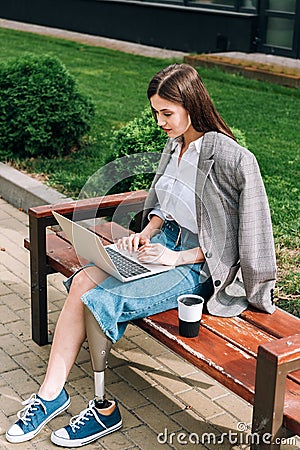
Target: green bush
(134,154)
(41,110)
(134,151)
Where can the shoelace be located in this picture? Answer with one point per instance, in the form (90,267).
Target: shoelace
(77,421)
(31,405)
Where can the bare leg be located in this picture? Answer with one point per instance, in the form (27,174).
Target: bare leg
(69,334)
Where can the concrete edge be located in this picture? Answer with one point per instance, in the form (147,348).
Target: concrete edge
(24,192)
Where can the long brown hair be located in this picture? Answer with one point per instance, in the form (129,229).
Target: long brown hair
(181,83)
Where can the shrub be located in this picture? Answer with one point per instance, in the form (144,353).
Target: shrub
(134,152)
(132,168)
(41,109)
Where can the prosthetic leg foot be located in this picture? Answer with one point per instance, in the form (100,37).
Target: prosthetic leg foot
(100,346)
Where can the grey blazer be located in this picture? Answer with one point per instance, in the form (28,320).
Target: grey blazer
(235,230)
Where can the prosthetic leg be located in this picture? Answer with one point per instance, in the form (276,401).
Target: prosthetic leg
(100,346)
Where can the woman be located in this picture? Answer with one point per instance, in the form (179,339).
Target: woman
(206,214)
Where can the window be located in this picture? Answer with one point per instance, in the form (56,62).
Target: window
(282,5)
(280,32)
(249,4)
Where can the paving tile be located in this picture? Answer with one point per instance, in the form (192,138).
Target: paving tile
(134,376)
(76,373)
(21,382)
(10,401)
(206,385)
(132,330)
(22,290)
(4,215)
(116,441)
(144,438)
(9,278)
(7,314)
(124,344)
(116,359)
(201,404)
(18,269)
(138,357)
(83,356)
(43,352)
(6,362)
(20,329)
(13,246)
(55,294)
(148,344)
(78,403)
(56,280)
(130,420)
(32,363)
(4,445)
(225,422)
(14,301)
(4,424)
(176,363)
(156,419)
(125,393)
(25,315)
(4,289)
(110,377)
(84,386)
(3,330)
(236,406)
(170,380)
(163,399)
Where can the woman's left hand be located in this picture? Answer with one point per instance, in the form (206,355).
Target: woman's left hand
(157,253)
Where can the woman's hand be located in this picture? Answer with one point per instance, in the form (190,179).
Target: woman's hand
(133,242)
(157,254)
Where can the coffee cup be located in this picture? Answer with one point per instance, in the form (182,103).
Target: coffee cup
(189,314)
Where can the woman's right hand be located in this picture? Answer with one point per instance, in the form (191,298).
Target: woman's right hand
(132,242)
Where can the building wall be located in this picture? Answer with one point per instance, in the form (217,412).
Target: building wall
(189,29)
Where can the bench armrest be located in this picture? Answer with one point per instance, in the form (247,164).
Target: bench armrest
(91,207)
(275,360)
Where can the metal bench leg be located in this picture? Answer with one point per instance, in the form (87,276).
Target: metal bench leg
(275,360)
(38,273)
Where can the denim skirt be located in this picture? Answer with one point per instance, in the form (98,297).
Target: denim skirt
(114,303)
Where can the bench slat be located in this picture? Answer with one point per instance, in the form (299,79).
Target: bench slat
(242,334)
(237,331)
(275,324)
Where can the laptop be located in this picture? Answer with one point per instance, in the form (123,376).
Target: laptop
(120,264)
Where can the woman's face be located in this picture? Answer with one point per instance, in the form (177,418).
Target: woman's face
(172,117)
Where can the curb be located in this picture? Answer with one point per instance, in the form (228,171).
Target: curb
(261,72)
(24,192)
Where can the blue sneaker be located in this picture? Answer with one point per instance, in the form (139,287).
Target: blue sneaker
(88,426)
(35,415)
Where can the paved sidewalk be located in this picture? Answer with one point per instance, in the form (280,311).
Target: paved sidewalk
(156,389)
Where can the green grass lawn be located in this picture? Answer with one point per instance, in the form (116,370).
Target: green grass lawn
(269,116)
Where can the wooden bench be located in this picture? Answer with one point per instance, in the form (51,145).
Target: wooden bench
(255,355)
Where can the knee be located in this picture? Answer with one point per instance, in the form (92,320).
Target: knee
(82,282)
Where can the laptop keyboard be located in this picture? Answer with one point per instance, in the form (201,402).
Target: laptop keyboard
(125,266)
